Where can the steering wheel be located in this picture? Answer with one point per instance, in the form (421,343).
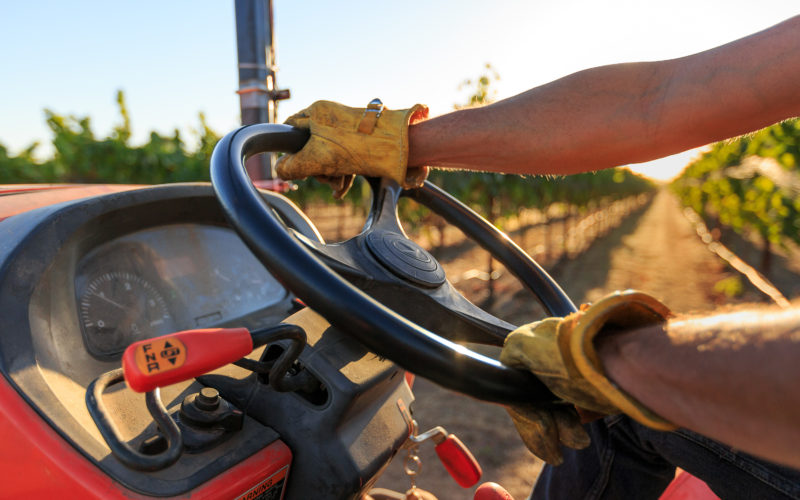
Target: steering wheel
(392,269)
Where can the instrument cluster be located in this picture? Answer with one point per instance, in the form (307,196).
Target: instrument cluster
(165,279)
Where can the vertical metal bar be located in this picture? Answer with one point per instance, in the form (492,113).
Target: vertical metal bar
(257,94)
(272,102)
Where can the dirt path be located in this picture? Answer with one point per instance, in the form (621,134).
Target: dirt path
(655,251)
(661,255)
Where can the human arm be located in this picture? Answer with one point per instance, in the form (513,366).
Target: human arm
(731,376)
(626,113)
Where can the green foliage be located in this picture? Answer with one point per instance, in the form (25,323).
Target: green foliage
(79,156)
(750,183)
(23,168)
(513,192)
(731,286)
(482,92)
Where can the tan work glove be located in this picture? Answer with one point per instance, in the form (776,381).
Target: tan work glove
(346,141)
(561,353)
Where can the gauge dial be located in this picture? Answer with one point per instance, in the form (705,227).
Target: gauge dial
(118,308)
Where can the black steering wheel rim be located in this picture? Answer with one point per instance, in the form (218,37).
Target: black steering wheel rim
(344,306)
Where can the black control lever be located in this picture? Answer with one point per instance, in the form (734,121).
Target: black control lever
(197,411)
(120,449)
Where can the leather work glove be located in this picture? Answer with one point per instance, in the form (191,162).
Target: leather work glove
(561,353)
(346,141)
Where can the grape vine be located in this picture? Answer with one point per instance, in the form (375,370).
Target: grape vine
(750,184)
(80,156)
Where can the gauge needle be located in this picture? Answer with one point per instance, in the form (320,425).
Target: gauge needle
(110,301)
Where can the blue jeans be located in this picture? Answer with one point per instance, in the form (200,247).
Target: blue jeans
(627,460)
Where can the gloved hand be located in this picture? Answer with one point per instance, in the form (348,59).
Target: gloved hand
(346,141)
(561,353)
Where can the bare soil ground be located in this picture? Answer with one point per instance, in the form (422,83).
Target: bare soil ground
(654,250)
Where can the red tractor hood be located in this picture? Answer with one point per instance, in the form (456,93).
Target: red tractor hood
(19,198)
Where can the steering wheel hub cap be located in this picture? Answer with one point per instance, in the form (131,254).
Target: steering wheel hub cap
(405,258)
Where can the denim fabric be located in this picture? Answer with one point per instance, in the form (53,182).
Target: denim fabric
(627,460)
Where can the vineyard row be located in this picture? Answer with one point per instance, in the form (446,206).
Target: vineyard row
(756,279)
(557,233)
(750,185)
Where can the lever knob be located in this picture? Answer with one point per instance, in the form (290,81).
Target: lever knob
(179,356)
(492,491)
(459,461)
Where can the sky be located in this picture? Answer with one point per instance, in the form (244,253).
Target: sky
(175,59)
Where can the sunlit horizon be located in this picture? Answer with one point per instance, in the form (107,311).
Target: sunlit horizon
(667,168)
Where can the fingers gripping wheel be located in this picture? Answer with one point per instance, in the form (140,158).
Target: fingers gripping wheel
(299,265)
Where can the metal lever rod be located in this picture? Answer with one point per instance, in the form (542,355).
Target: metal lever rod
(121,450)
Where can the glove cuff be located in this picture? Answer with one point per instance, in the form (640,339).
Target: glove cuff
(415,176)
(392,126)
(623,310)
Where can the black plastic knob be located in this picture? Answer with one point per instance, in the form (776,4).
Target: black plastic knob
(207,399)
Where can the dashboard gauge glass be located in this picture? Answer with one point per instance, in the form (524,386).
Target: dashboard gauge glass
(117,308)
(165,279)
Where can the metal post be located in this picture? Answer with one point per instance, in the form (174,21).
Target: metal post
(257,91)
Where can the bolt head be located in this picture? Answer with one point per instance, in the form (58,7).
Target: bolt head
(207,399)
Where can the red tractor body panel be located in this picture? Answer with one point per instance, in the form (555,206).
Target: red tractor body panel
(36,461)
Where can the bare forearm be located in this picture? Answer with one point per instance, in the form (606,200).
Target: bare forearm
(627,113)
(732,377)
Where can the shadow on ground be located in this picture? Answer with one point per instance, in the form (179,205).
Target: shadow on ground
(575,276)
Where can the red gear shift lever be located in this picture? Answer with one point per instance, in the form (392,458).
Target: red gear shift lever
(179,356)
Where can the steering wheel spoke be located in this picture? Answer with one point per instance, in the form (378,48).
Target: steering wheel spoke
(343,257)
(383,212)
(444,311)
(478,325)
